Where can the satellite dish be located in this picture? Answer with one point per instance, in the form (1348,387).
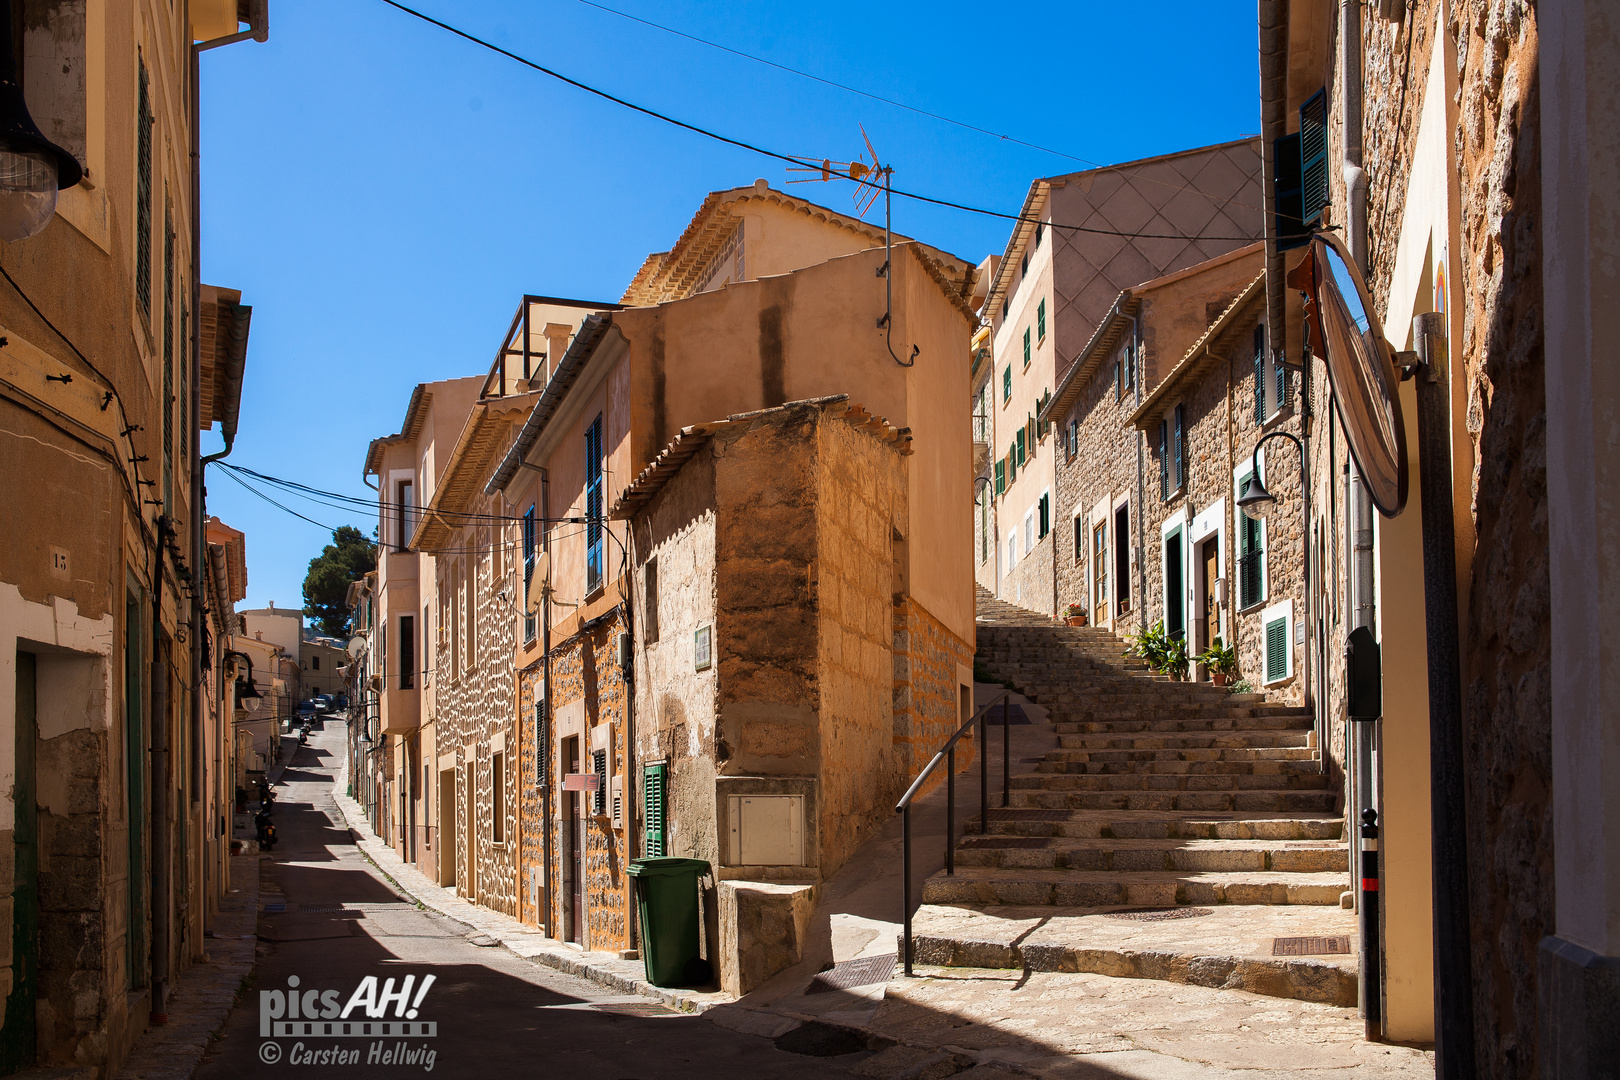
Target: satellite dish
(356,646)
(539,581)
(1361,367)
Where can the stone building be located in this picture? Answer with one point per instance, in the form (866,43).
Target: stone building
(110,722)
(1458,150)
(771,681)
(704,335)
(1075,247)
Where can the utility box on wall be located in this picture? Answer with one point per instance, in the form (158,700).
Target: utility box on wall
(766,830)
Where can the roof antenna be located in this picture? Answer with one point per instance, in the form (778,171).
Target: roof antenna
(866,194)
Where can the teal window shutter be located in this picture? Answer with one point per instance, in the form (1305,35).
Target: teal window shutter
(1020,447)
(1046,514)
(1006,385)
(1251,583)
(1040,320)
(1001,476)
(1164,460)
(1259,374)
(653,810)
(1277,649)
(1313,164)
(1026,347)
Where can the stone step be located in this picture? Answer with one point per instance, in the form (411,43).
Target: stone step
(1303,776)
(1177,724)
(1210,740)
(1230,948)
(1196,802)
(1092,888)
(1154,825)
(1177,760)
(1134,856)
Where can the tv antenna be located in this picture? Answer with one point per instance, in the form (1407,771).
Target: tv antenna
(871,178)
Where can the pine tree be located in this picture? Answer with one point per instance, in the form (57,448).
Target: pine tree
(347,559)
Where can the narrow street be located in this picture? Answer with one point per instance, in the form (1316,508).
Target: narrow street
(329,920)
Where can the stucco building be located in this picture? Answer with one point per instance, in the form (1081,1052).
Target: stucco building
(764,300)
(110,720)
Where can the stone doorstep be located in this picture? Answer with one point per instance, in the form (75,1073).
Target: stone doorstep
(1229,949)
(520,939)
(975,885)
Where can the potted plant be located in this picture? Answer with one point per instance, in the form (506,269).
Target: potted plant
(1075,615)
(1176,659)
(1221,661)
(1151,645)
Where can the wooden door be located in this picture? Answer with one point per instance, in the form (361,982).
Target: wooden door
(17,1037)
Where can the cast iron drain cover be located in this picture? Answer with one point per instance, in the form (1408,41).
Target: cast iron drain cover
(635,1008)
(1310,946)
(1158,914)
(852,973)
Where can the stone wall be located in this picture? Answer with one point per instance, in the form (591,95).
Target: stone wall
(1506,691)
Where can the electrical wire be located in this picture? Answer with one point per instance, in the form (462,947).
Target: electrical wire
(804,163)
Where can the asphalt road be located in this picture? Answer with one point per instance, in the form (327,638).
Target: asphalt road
(330,921)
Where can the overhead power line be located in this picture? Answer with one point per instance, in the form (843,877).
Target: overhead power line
(789,158)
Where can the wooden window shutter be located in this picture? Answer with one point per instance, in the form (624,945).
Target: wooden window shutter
(1040,320)
(599,766)
(1277,649)
(1181,451)
(652,810)
(1259,374)
(1026,347)
(542,745)
(1164,460)
(1001,476)
(1313,164)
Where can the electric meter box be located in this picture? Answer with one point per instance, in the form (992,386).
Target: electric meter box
(765,830)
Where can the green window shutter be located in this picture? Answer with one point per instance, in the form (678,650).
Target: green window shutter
(1276,649)
(1001,476)
(1020,449)
(1006,384)
(1040,320)
(1164,460)
(1026,347)
(652,809)
(1046,514)
(1313,164)
(1259,374)
(143,191)
(1012,463)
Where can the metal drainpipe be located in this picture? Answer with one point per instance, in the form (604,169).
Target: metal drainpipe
(159,868)
(1273,126)
(1141,487)
(551,713)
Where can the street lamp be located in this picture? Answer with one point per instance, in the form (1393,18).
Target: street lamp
(32,168)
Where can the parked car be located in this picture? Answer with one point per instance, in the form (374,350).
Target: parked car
(343,701)
(322,707)
(306,708)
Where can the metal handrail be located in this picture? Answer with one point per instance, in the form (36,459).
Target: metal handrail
(947,754)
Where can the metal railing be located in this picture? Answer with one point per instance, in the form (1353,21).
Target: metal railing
(947,754)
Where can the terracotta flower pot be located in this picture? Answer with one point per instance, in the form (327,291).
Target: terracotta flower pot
(1075,620)
(1219,678)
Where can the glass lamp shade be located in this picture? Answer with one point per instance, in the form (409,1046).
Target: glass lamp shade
(28,181)
(1256,502)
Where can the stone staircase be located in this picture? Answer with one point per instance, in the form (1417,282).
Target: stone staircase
(1159,794)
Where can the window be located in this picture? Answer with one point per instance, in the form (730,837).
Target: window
(984,529)
(1251,555)
(1313,167)
(1040,319)
(593,505)
(1023,266)
(403,518)
(542,744)
(652,810)
(315,662)
(1012,463)
(528,572)
(1001,476)
(1119,379)
(1006,385)
(1012,550)
(1022,432)
(1164,460)
(407,652)
(1099,569)
(1130,367)
(1073,439)
(1045,509)
(1027,352)
(703,648)
(143,192)
(1282,383)
(1081,529)
(1260,374)
(1181,447)
(1279,646)
(1029,530)
(599,767)
(497,798)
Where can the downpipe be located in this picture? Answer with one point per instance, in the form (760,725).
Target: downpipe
(159,751)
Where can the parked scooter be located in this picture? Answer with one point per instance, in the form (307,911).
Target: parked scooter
(266,830)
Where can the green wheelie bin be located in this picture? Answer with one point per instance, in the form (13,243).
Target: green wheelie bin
(667,900)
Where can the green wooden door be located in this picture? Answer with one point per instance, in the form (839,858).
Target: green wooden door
(17,1037)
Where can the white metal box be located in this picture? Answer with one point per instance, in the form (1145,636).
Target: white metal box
(766,830)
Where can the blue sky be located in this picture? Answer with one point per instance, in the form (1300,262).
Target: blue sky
(383,193)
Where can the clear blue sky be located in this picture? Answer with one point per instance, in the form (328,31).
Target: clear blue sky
(383,193)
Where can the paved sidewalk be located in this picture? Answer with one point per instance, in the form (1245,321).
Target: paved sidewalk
(201,998)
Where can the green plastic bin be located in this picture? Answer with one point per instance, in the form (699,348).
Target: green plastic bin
(667,899)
